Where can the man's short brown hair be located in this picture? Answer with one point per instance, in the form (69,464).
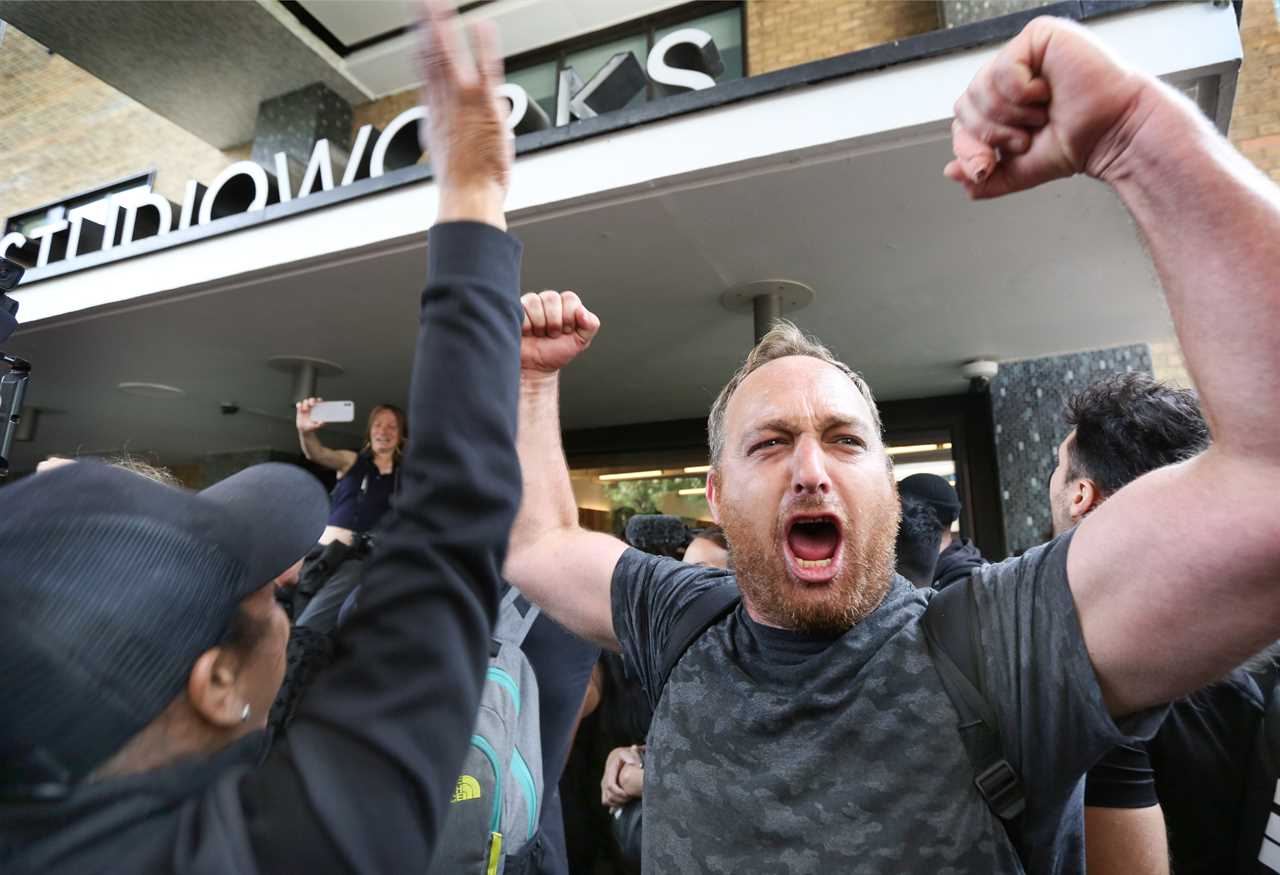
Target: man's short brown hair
(784,339)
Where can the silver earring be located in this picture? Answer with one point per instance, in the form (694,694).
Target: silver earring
(244,715)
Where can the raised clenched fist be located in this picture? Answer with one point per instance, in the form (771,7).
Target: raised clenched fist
(1052,103)
(557,328)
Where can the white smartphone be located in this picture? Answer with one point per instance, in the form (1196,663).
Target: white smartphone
(334,411)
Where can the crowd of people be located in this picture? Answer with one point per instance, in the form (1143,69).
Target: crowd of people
(437,669)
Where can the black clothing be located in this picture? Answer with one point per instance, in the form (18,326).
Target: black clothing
(750,748)
(321,564)
(1201,758)
(323,609)
(1122,779)
(1258,844)
(362,781)
(309,653)
(956,562)
(562,664)
(621,718)
(780,646)
(362,495)
(1197,766)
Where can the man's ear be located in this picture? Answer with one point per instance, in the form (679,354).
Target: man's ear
(212,690)
(1085,498)
(713,494)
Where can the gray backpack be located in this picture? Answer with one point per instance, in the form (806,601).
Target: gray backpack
(497,802)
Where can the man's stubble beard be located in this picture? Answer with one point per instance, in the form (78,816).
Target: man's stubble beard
(859,589)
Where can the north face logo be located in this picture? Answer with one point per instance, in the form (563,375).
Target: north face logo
(468,788)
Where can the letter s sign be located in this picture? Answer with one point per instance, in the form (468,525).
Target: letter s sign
(686,59)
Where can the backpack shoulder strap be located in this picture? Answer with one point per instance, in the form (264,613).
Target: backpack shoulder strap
(707,609)
(516,616)
(951,632)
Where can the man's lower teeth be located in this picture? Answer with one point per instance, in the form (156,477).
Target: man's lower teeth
(814,563)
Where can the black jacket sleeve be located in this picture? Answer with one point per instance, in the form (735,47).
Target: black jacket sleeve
(363,780)
(1123,778)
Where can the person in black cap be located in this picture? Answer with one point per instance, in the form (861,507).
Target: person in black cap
(916,547)
(140,647)
(142,626)
(957,557)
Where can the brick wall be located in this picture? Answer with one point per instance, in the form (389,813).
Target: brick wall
(784,33)
(379,113)
(1255,120)
(1255,131)
(64,131)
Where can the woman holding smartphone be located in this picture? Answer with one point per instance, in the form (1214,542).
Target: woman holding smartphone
(366,482)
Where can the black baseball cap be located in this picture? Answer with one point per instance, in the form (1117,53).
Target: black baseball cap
(934,491)
(111,586)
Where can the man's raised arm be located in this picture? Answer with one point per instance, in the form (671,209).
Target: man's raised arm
(562,568)
(363,780)
(1175,577)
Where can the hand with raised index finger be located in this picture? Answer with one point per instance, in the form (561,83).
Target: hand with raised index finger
(465,134)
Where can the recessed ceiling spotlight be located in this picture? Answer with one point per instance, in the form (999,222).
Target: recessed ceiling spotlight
(150,390)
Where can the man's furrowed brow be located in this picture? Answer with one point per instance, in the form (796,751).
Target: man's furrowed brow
(784,425)
(848,422)
(777,424)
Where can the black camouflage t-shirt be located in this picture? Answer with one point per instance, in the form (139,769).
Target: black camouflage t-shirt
(847,761)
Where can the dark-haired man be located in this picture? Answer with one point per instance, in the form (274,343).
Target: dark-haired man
(141,647)
(799,731)
(1121,428)
(1175,799)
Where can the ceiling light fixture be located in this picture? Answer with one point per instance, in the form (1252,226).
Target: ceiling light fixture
(917,448)
(150,390)
(630,475)
(694,491)
(697,469)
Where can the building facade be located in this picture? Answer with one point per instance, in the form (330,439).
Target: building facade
(673,158)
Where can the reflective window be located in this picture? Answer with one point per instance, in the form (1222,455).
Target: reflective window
(539,72)
(539,82)
(588,61)
(609,496)
(726,30)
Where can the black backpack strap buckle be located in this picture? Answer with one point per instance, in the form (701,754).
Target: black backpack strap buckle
(1000,785)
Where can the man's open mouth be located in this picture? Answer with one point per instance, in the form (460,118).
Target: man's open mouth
(814,544)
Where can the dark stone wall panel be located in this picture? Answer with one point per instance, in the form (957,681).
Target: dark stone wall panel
(293,122)
(1027,400)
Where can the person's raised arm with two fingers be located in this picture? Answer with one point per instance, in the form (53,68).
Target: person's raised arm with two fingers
(1174,577)
(363,781)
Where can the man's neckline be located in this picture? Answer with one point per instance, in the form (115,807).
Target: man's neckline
(788,645)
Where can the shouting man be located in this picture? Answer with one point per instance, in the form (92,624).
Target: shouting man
(800,732)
